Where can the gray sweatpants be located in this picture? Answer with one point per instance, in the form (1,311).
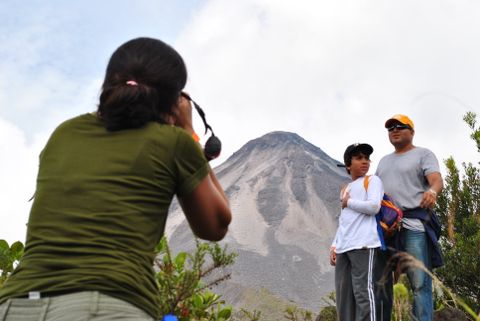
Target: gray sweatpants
(79,306)
(357,273)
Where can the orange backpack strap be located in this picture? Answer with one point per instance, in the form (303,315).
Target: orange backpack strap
(366,180)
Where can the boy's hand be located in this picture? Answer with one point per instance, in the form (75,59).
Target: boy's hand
(333,256)
(346,197)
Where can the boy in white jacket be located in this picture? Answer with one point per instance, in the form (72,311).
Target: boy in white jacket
(355,251)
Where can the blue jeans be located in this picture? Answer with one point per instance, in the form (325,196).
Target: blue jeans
(416,244)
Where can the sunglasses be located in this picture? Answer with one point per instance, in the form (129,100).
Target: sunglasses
(397,126)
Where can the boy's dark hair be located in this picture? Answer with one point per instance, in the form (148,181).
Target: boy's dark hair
(355,150)
(156,74)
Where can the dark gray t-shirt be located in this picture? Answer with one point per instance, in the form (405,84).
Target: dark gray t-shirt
(404,178)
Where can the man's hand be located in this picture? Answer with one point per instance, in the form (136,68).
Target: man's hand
(429,199)
(333,256)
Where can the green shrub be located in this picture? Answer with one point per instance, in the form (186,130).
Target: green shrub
(328,314)
(182,291)
(401,303)
(9,256)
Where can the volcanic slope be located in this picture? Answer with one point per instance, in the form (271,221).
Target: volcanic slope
(284,195)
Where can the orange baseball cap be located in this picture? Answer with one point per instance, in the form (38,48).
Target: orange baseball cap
(399,118)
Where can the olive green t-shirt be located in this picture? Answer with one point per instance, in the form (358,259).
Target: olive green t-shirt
(100,208)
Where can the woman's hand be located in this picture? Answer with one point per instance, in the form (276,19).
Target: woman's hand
(182,114)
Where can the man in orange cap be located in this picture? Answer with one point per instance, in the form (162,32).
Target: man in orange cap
(411,176)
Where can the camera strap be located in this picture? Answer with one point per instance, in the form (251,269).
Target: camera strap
(213,145)
(200,112)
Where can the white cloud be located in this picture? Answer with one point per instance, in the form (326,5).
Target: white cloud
(331,71)
(56,99)
(335,71)
(18,168)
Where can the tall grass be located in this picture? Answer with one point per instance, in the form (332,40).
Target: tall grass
(406,261)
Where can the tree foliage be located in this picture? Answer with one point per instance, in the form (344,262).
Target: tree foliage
(458,208)
(9,256)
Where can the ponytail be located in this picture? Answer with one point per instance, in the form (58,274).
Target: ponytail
(143,81)
(126,106)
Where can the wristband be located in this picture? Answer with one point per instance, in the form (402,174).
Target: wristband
(432,192)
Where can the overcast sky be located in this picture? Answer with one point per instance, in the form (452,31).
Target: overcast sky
(331,71)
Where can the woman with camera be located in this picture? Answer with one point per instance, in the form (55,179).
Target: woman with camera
(104,186)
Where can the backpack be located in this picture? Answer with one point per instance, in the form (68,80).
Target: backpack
(389,217)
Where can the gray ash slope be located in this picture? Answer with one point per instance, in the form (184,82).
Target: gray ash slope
(284,195)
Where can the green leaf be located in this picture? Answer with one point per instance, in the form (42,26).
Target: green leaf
(4,262)
(161,246)
(198,301)
(4,245)
(225,313)
(180,260)
(16,250)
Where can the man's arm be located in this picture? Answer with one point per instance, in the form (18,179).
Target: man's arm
(435,182)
